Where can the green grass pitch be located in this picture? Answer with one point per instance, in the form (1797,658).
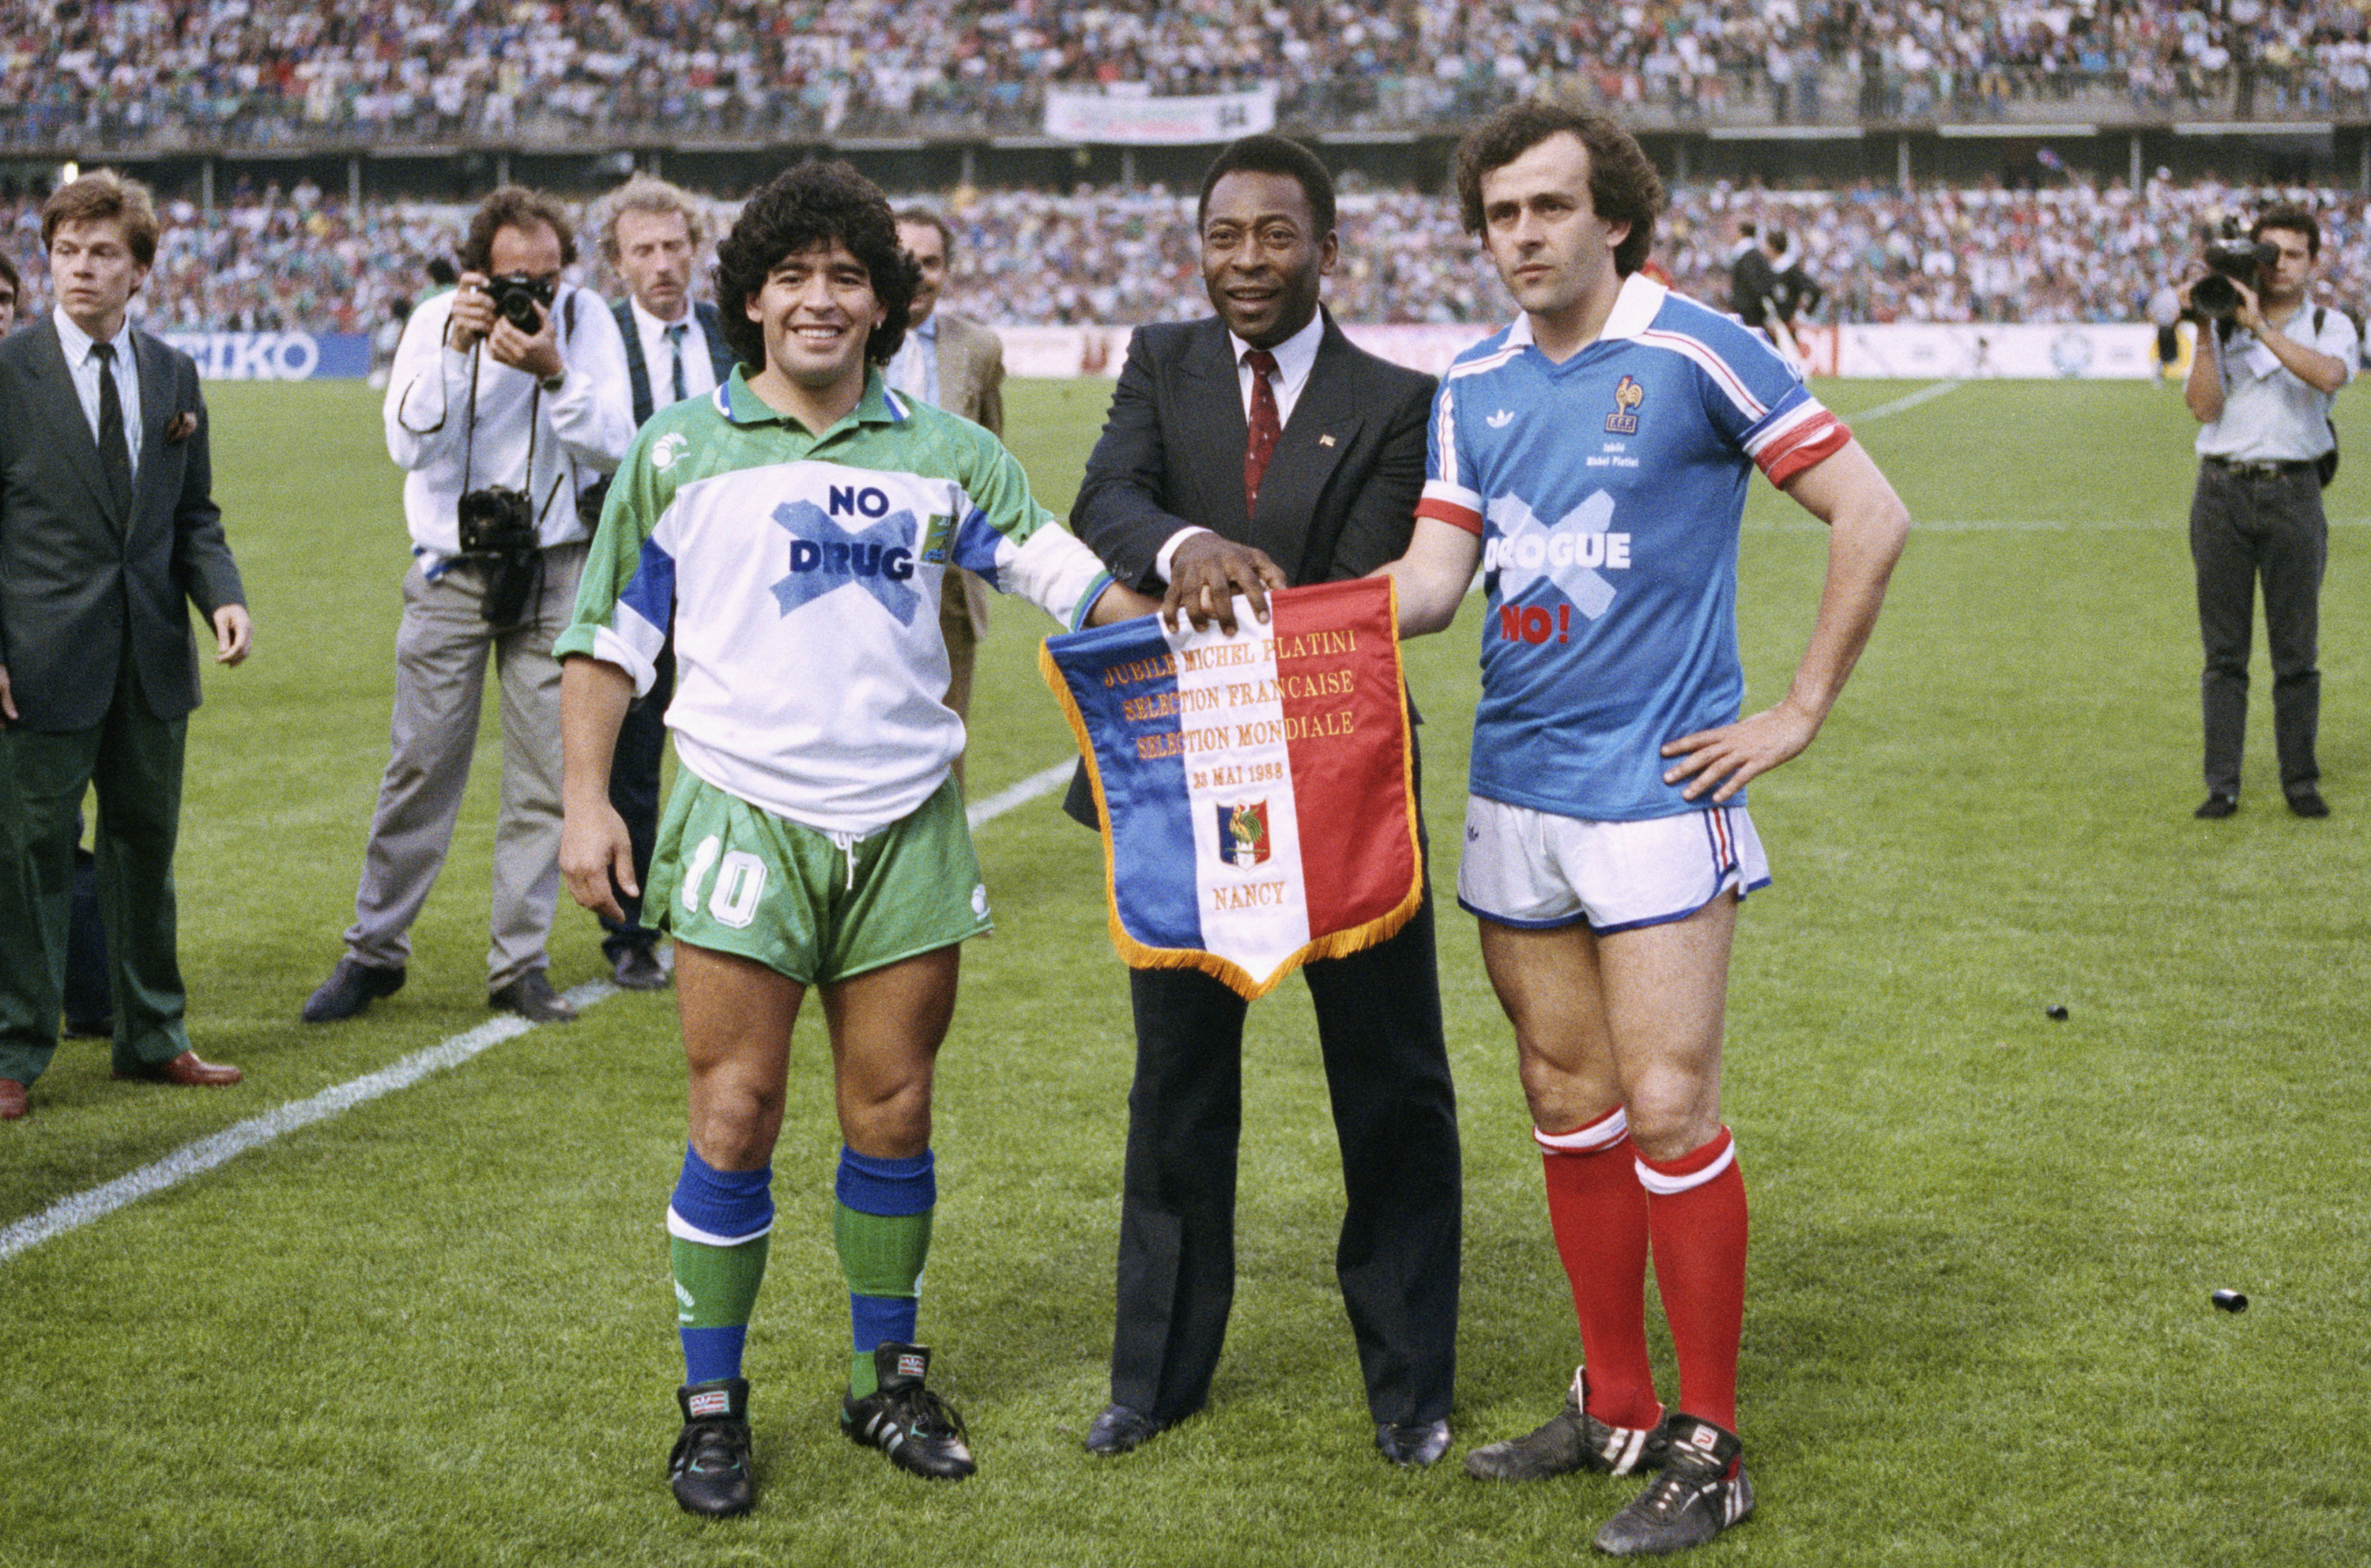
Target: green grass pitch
(436,1329)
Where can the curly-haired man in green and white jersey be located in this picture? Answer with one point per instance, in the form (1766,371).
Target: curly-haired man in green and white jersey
(797,527)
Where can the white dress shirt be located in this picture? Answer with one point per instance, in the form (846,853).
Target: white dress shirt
(659,354)
(914,368)
(84,366)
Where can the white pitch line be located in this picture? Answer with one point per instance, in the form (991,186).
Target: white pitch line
(1905,403)
(1041,783)
(81,1208)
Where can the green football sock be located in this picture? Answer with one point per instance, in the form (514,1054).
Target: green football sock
(882,1257)
(716,1288)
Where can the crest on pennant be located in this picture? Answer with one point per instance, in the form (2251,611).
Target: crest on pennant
(1242,834)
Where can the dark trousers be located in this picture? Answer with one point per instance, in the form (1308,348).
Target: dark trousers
(135,759)
(634,791)
(2243,531)
(87,1000)
(1395,1118)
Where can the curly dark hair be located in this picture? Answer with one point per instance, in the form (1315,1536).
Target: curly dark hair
(515,206)
(804,207)
(1622,185)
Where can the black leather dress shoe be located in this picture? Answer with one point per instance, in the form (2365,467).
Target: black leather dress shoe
(1118,1429)
(1416,1444)
(350,987)
(2215,808)
(2308,803)
(638,968)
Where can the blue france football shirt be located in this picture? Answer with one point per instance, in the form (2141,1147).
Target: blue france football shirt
(1607,491)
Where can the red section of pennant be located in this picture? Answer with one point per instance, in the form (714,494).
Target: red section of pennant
(1345,720)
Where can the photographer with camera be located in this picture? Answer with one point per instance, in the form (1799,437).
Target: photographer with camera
(2267,364)
(508,402)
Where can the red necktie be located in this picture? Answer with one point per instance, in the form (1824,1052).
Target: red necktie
(1266,426)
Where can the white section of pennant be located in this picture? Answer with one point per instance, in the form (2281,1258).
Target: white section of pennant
(1238,923)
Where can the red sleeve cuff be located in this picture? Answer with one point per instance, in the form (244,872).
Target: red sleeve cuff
(1799,449)
(1456,516)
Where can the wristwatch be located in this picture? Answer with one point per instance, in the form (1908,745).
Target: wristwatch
(552,385)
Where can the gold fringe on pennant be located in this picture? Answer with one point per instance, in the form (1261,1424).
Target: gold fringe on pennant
(1234,976)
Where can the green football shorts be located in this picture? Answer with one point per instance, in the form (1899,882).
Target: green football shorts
(734,878)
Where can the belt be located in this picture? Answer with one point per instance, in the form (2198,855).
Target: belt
(2263,471)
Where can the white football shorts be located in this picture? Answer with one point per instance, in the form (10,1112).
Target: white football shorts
(1538,871)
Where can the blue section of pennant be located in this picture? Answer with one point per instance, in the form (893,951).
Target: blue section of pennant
(1142,773)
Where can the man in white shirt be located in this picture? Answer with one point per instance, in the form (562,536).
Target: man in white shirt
(507,402)
(2261,386)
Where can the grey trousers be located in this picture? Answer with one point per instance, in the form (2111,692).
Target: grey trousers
(2243,530)
(441,652)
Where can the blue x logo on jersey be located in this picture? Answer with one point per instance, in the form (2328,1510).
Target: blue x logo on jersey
(824,556)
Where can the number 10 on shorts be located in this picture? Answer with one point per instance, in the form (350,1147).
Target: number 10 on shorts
(740,883)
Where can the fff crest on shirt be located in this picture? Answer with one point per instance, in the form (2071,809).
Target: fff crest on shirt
(1624,419)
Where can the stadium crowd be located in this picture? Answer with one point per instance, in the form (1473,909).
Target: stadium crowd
(263,73)
(272,259)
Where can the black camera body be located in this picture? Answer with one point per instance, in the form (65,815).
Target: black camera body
(496,520)
(521,299)
(2231,257)
(497,526)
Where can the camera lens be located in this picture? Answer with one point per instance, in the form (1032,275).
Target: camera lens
(2215,294)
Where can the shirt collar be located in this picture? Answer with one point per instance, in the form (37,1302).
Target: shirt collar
(926,328)
(1294,355)
(651,327)
(742,407)
(1634,311)
(77,343)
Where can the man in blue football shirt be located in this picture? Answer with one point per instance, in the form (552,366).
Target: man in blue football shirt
(1592,459)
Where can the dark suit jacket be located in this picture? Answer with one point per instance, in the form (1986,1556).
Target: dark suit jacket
(78,583)
(1752,281)
(1339,496)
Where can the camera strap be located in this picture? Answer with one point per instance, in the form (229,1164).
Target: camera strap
(469,425)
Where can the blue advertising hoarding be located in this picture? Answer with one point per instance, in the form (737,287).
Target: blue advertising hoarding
(275,356)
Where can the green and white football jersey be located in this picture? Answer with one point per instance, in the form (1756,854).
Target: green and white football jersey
(802,576)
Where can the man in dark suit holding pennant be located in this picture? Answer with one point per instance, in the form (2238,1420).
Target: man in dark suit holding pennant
(108,531)
(1248,451)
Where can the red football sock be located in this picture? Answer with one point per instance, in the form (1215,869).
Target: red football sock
(1696,1209)
(1599,1212)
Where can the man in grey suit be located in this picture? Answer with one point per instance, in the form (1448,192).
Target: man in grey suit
(957,364)
(1245,451)
(108,531)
